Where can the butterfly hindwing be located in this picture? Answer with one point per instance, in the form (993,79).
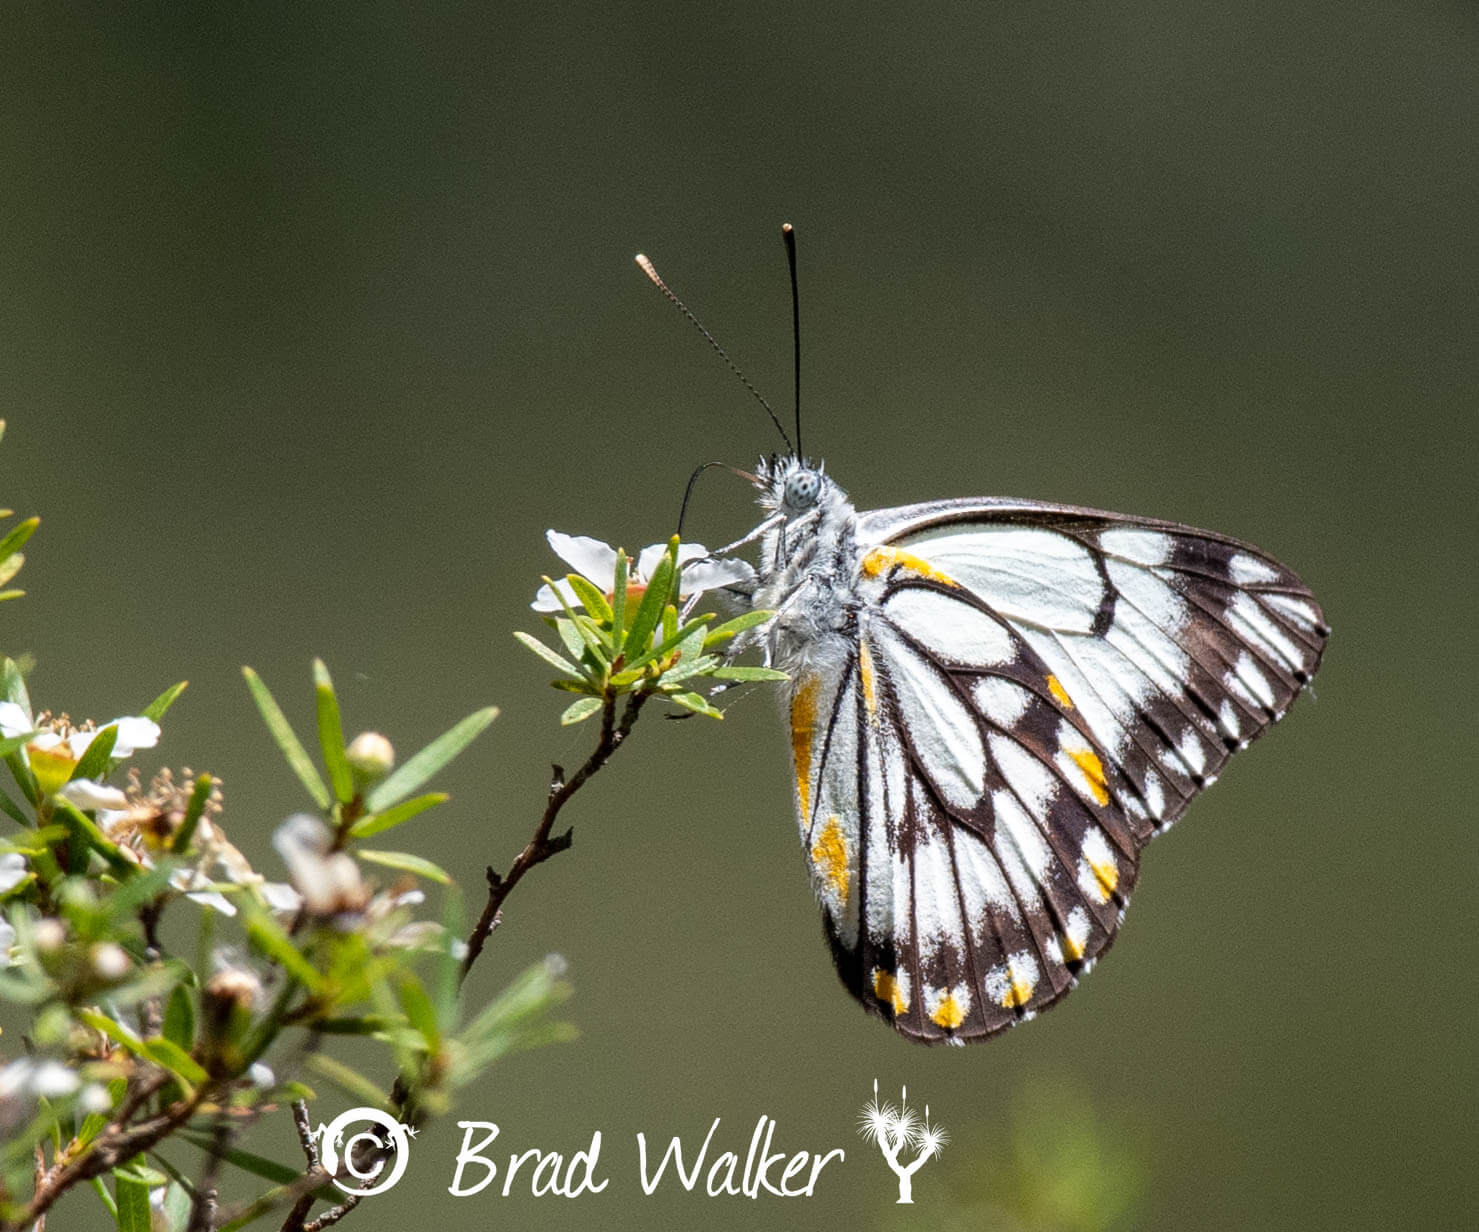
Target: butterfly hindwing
(1030,693)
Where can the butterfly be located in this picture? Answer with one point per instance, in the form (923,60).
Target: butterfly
(994,706)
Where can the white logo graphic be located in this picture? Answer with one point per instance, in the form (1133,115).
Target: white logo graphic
(894,1129)
(391,1140)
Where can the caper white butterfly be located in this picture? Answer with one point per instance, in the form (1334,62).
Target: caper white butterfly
(995,705)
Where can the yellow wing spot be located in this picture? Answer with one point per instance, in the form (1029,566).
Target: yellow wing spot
(1107,873)
(803,723)
(829,854)
(886,988)
(1088,761)
(865,672)
(880,560)
(1060,694)
(1074,950)
(1018,992)
(948,1013)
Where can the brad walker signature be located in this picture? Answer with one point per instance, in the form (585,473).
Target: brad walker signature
(542,1173)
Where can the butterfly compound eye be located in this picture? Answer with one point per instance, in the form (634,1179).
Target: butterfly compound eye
(802,489)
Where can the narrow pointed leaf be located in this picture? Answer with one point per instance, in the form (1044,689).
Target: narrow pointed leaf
(430,760)
(199,798)
(160,705)
(696,703)
(739,624)
(580,710)
(548,655)
(649,611)
(93,764)
(179,1018)
(331,734)
(619,601)
(671,642)
(407,809)
(257,1165)
(287,741)
(13,684)
(172,1057)
(350,1081)
(407,863)
(18,536)
(590,598)
(132,1199)
(276,944)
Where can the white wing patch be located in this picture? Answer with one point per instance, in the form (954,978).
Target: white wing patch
(1035,576)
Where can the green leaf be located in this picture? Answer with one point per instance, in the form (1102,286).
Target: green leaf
(696,703)
(282,733)
(419,1011)
(581,709)
(179,1018)
(106,1198)
(655,598)
(257,1165)
(132,1199)
(670,643)
(13,684)
(85,832)
(747,673)
(348,1080)
(375,823)
(591,599)
(592,642)
(548,655)
(331,734)
(406,863)
(160,705)
(13,810)
(172,1057)
(176,1207)
(93,764)
(17,537)
(619,601)
(739,624)
(575,645)
(276,944)
(429,760)
(199,796)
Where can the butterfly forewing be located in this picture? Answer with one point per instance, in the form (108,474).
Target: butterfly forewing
(1032,691)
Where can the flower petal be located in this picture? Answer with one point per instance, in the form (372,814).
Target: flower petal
(589,557)
(90,794)
(647,561)
(545,600)
(715,574)
(134,732)
(14,721)
(13,871)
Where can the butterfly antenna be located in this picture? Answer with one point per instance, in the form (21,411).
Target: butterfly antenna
(788,234)
(677,303)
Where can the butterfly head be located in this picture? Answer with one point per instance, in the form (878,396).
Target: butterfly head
(795,487)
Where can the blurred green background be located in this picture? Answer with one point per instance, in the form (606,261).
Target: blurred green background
(313,318)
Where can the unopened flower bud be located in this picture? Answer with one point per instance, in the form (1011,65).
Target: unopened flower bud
(370,757)
(109,960)
(50,935)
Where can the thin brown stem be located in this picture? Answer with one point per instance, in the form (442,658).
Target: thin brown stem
(542,846)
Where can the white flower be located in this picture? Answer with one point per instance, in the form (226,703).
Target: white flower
(89,794)
(30,1076)
(13,870)
(14,721)
(596,562)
